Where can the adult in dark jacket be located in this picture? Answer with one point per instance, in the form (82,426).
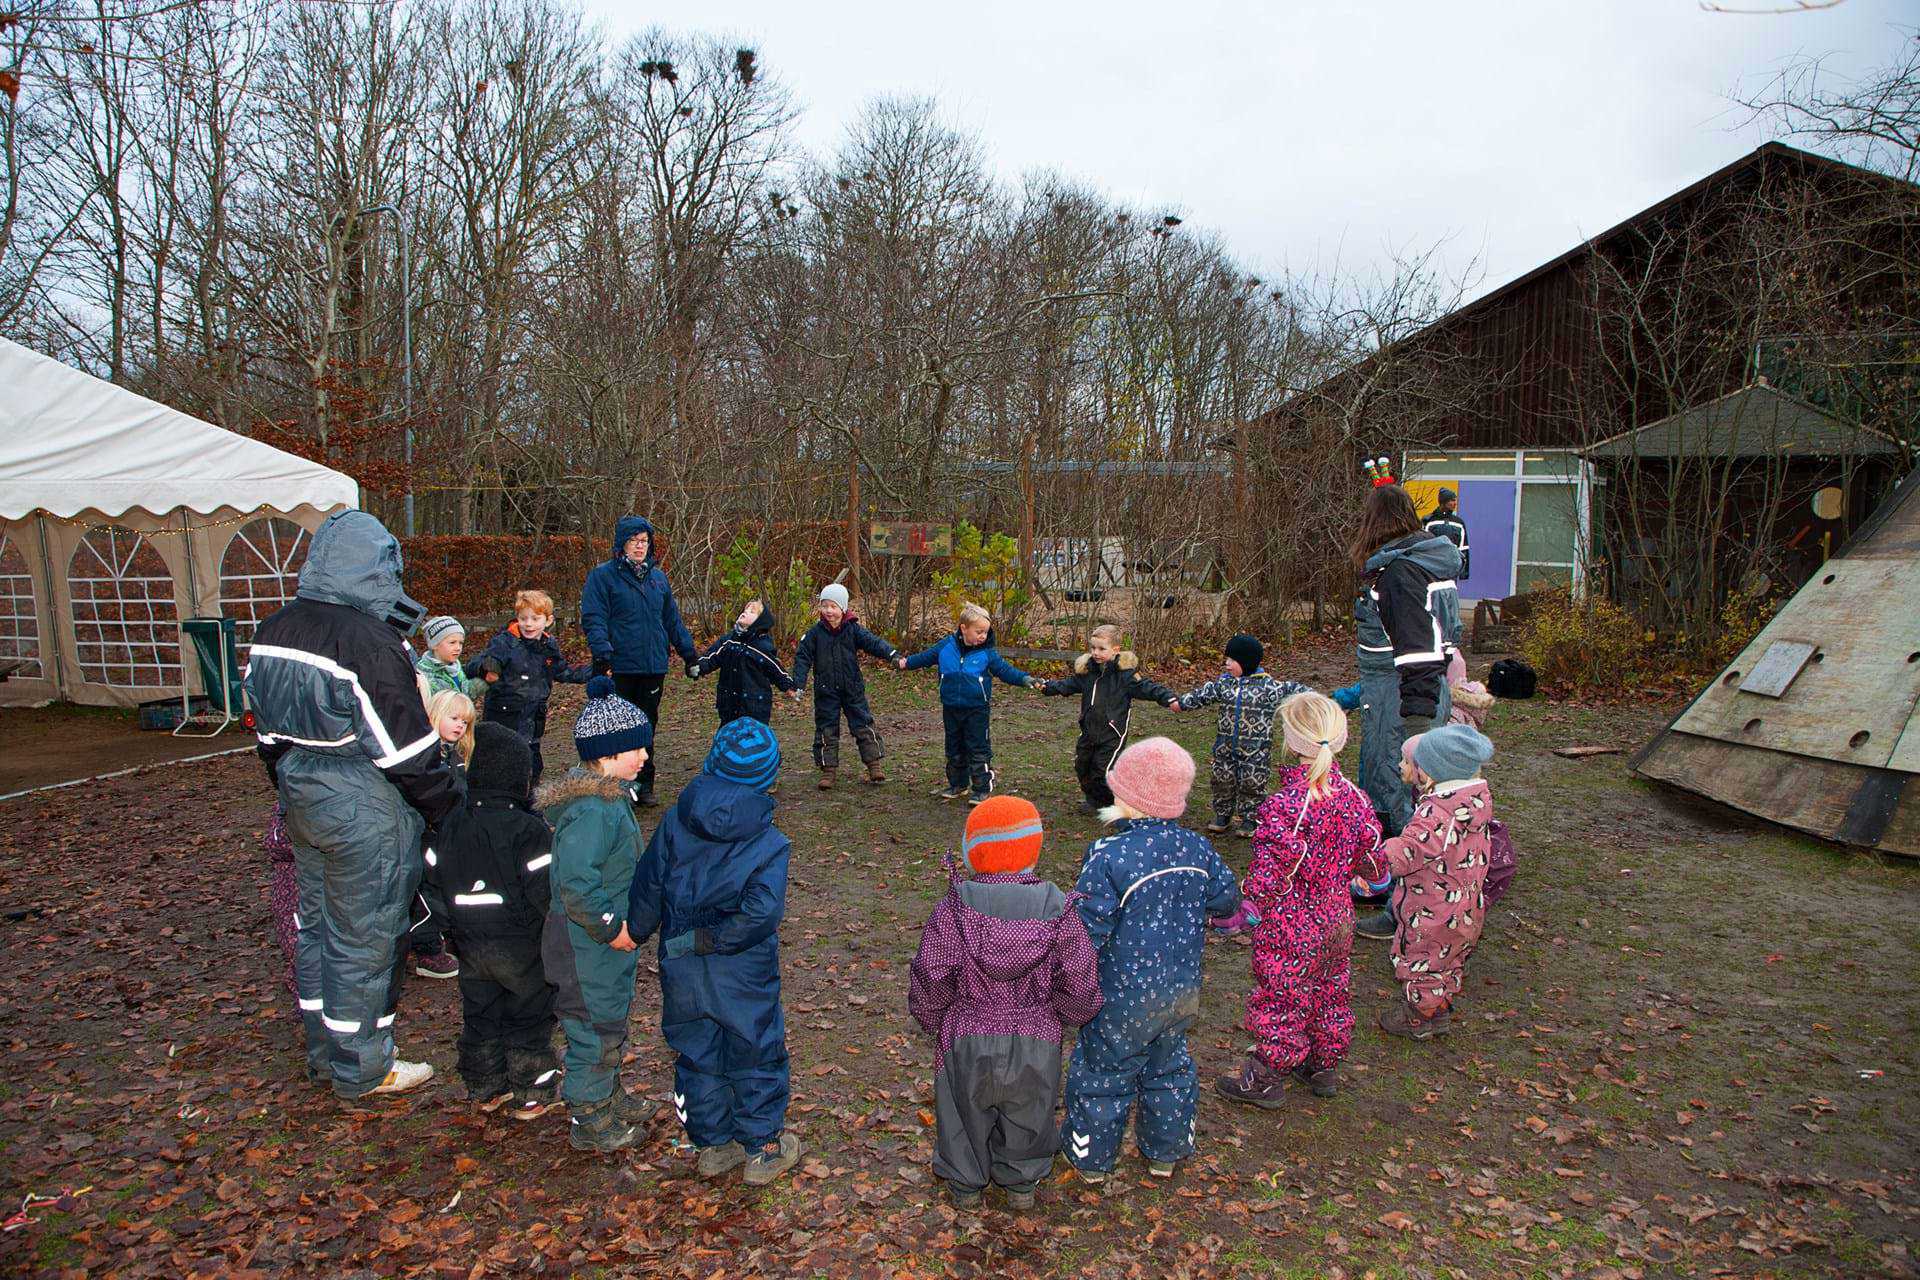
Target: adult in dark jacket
(830,651)
(1406,626)
(521,665)
(345,738)
(1447,521)
(489,865)
(749,668)
(714,882)
(632,622)
(1108,679)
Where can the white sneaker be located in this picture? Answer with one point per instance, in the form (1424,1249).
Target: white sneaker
(404,1076)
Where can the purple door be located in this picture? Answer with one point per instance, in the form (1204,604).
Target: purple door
(1487,506)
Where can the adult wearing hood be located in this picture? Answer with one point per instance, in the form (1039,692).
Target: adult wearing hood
(345,738)
(632,622)
(1406,627)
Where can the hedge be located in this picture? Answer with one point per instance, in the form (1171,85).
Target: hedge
(472,575)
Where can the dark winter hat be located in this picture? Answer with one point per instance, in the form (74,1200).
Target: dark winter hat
(1452,752)
(1448,495)
(609,724)
(1246,651)
(744,751)
(502,761)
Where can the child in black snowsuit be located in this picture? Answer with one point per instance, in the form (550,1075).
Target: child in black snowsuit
(521,665)
(1107,679)
(488,865)
(831,650)
(749,668)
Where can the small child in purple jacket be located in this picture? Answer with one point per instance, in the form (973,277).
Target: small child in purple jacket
(1004,964)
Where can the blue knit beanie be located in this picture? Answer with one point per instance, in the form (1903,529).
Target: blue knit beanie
(609,724)
(744,751)
(1452,752)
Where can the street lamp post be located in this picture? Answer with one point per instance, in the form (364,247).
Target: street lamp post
(406,340)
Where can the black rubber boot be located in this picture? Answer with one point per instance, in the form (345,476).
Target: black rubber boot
(1378,926)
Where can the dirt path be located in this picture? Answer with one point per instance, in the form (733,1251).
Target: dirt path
(64,742)
(1663,1064)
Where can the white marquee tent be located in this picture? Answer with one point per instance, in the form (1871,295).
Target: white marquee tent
(119,518)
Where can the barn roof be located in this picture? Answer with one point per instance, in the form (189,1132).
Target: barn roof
(1756,421)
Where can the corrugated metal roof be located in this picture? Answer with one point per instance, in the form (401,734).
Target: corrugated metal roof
(1755,421)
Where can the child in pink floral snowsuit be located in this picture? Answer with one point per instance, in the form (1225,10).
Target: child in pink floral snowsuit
(1316,834)
(282,894)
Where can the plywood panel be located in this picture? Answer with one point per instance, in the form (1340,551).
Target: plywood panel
(1855,699)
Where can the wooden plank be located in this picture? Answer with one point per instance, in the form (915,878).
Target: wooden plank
(1777,667)
(1581,753)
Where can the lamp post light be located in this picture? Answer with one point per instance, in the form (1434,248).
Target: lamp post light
(406,339)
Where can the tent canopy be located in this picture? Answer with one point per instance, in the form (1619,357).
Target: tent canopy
(70,442)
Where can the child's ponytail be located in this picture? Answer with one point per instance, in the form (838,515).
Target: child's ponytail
(1315,729)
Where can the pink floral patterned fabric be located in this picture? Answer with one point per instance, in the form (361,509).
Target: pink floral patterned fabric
(1300,1008)
(981,975)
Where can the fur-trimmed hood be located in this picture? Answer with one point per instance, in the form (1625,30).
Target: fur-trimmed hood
(578,784)
(1124,660)
(1472,694)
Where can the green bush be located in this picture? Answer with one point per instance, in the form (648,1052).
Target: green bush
(788,594)
(1585,648)
(985,569)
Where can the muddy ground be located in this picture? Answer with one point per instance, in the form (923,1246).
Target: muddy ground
(1687,1047)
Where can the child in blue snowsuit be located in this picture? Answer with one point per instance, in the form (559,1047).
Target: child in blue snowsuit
(1147,892)
(714,882)
(521,665)
(967,658)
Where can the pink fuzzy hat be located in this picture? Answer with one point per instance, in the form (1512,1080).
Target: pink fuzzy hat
(1153,776)
(1406,748)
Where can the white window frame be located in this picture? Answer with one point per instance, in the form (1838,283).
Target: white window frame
(110,593)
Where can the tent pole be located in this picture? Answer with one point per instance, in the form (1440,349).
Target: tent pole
(52,637)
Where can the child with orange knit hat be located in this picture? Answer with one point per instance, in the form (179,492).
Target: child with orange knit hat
(1004,964)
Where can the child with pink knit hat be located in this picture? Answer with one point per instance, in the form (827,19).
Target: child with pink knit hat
(1146,892)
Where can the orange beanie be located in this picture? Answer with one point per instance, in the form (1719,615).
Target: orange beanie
(1003,834)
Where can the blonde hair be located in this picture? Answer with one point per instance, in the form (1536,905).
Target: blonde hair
(451,702)
(1106,631)
(538,601)
(971,612)
(1318,719)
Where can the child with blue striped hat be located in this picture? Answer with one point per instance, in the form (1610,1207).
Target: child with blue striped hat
(713,881)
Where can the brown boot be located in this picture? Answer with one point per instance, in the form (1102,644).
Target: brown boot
(826,780)
(1402,1019)
(875,774)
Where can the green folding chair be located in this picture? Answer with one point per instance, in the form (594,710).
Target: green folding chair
(216,648)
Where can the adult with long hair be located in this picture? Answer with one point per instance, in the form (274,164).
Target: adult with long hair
(1406,625)
(632,624)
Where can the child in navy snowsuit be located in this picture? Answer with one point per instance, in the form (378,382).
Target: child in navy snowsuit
(1249,699)
(831,650)
(1148,890)
(749,668)
(967,659)
(521,665)
(714,882)
(1108,680)
(1004,963)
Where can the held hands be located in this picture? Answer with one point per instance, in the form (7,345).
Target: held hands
(901,663)
(1175,705)
(623,941)
(493,677)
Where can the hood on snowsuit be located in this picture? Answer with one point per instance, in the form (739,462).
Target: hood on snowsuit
(723,811)
(996,919)
(1433,553)
(623,529)
(354,561)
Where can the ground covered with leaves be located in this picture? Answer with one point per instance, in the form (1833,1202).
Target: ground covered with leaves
(1686,1047)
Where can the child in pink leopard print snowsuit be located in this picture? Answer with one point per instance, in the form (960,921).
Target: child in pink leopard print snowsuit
(1316,834)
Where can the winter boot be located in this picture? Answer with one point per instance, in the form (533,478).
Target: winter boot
(772,1160)
(826,780)
(1402,1019)
(1380,926)
(489,1100)
(1020,1199)
(401,1078)
(633,1108)
(1255,1084)
(1321,1081)
(441,964)
(599,1129)
(532,1108)
(965,1199)
(1160,1168)
(1218,828)
(949,791)
(875,774)
(715,1161)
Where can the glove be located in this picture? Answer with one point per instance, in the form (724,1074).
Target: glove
(697,941)
(693,671)
(1349,697)
(602,666)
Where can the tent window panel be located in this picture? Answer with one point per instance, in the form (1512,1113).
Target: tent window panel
(258,573)
(125,621)
(19,619)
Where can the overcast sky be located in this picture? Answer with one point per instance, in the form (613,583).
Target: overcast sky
(1305,130)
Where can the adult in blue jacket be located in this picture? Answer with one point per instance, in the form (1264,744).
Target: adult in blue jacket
(631,623)
(968,662)
(714,882)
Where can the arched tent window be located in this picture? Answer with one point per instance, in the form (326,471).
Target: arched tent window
(126,627)
(259,571)
(19,620)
